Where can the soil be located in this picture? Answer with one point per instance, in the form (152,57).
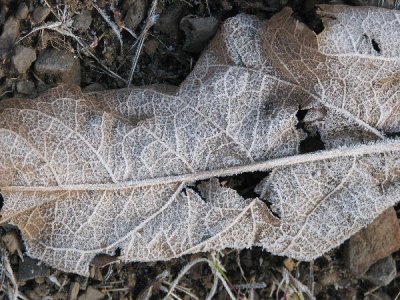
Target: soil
(250,274)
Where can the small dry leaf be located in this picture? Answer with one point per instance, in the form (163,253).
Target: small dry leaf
(83,174)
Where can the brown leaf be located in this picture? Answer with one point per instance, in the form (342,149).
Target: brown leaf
(135,169)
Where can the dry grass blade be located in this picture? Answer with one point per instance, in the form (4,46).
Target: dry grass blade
(8,281)
(113,26)
(150,21)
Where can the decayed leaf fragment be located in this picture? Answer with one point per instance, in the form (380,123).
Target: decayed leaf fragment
(83,174)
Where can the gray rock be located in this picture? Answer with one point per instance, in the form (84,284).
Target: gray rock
(31,268)
(382,272)
(83,20)
(25,87)
(198,32)
(9,35)
(134,12)
(40,14)
(378,240)
(22,11)
(168,22)
(56,66)
(23,58)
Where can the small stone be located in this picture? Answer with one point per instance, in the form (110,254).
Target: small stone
(82,21)
(73,291)
(198,32)
(31,268)
(57,66)
(289,264)
(92,294)
(134,12)
(25,87)
(378,240)
(168,22)
(23,58)
(150,47)
(42,290)
(93,87)
(39,279)
(382,272)
(12,243)
(40,14)
(32,295)
(22,11)
(95,273)
(9,35)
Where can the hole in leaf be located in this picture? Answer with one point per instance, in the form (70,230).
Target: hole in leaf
(1,201)
(311,144)
(300,115)
(375,45)
(244,183)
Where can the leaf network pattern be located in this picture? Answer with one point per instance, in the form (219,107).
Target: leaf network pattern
(83,174)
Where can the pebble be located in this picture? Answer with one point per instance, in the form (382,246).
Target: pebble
(9,35)
(378,240)
(22,11)
(25,87)
(198,32)
(22,59)
(82,21)
(73,291)
(58,66)
(168,22)
(382,272)
(31,268)
(93,87)
(40,14)
(92,294)
(134,12)
(151,46)
(12,243)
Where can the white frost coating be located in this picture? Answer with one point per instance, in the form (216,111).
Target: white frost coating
(83,174)
(359,87)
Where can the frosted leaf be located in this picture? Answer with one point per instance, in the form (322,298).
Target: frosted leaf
(135,169)
(351,68)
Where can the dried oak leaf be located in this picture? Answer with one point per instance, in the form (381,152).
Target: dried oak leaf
(83,174)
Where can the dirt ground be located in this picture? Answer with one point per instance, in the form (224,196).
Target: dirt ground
(105,59)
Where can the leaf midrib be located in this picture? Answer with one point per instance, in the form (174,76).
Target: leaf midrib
(360,150)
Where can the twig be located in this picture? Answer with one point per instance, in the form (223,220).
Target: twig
(217,276)
(113,26)
(213,289)
(182,289)
(151,20)
(12,291)
(183,273)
